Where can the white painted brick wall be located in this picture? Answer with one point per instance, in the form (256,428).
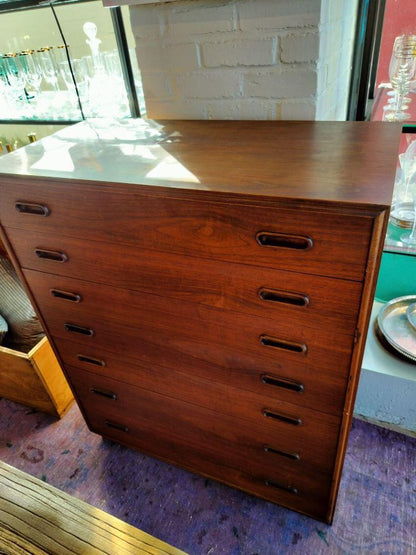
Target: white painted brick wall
(218,83)
(299,47)
(285,83)
(240,59)
(245,52)
(192,17)
(278,14)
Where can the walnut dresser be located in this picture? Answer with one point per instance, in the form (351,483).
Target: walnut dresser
(207,286)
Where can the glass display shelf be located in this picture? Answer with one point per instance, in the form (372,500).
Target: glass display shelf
(68,62)
(394,242)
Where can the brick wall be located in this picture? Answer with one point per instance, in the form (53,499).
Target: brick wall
(241,59)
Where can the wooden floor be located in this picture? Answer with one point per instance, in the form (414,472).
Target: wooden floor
(39,519)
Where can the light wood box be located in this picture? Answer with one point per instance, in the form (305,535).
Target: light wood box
(35,379)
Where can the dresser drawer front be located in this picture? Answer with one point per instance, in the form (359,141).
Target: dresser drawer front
(224,399)
(313,489)
(314,436)
(174,282)
(320,243)
(220,338)
(323,392)
(80,301)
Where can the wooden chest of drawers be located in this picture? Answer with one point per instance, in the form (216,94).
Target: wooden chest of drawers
(207,287)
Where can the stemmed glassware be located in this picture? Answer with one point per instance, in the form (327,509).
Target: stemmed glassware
(410,240)
(34,71)
(49,68)
(79,73)
(402,73)
(402,210)
(35,82)
(16,75)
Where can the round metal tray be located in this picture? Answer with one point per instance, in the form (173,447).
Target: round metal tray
(394,328)
(402,215)
(411,315)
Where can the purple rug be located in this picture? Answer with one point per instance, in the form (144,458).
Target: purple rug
(376,510)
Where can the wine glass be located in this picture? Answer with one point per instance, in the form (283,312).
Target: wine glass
(48,65)
(76,71)
(34,71)
(6,107)
(402,72)
(402,209)
(410,240)
(16,77)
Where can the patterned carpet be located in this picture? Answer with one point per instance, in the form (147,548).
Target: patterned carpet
(376,510)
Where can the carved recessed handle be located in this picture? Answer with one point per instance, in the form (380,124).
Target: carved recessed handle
(284,383)
(284,240)
(288,455)
(91,360)
(32,208)
(104,393)
(116,426)
(283,297)
(294,420)
(286,487)
(48,254)
(283,344)
(75,328)
(66,295)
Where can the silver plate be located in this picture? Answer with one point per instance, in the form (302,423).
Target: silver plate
(394,327)
(403,215)
(411,314)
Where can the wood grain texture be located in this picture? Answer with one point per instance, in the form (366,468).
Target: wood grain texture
(323,391)
(38,518)
(20,381)
(374,258)
(187,283)
(312,497)
(243,423)
(50,373)
(169,271)
(346,163)
(208,230)
(3,251)
(165,339)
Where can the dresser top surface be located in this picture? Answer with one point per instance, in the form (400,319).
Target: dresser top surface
(344,162)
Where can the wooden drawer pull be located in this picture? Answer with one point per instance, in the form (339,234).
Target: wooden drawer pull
(284,297)
(284,240)
(283,344)
(58,256)
(292,456)
(32,208)
(66,295)
(290,489)
(282,417)
(91,360)
(286,383)
(116,426)
(104,393)
(74,328)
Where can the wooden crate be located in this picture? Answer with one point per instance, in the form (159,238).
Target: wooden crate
(35,379)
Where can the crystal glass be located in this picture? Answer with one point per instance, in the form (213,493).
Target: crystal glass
(410,240)
(34,71)
(49,68)
(402,72)
(402,212)
(16,75)
(76,71)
